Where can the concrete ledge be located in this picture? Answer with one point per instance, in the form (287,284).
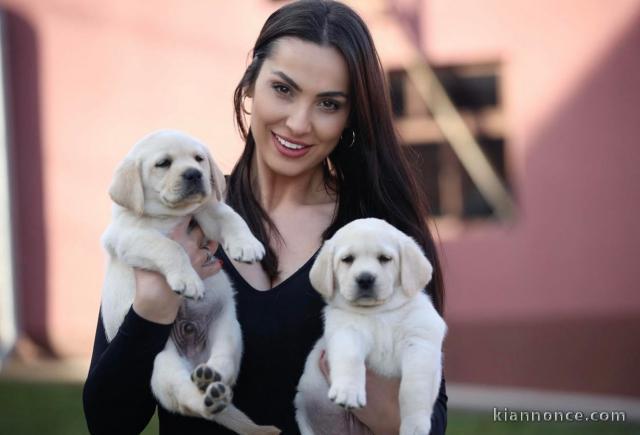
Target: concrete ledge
(45,370)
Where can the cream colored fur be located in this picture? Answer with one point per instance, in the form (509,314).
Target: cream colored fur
(390,326)
(151,197)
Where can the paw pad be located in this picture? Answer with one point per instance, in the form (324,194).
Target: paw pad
(218,390)
(217,397)
(203,375)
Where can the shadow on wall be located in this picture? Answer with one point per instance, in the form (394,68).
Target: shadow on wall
(27,179)
(583,243)
(586,355)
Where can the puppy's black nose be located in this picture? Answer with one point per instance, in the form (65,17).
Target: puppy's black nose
(365,280)
(192,175)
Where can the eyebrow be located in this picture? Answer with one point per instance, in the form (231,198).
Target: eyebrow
(295,86)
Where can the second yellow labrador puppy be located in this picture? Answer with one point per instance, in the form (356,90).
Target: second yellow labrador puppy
(377,316)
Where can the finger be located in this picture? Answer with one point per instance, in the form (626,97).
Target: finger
(199,258)
(197,235)
(210,270)
(214,268)
(207,257)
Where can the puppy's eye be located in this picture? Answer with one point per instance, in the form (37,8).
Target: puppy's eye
(348,259)
(164,163)
(384,259)
(199,158)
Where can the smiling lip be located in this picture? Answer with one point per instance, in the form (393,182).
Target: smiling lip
(289,152)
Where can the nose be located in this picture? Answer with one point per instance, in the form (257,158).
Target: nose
(299,121)
(192,175)
(365,281)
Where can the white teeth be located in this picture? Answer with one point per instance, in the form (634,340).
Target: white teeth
(288,144)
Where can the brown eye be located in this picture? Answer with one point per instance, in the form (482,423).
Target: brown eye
(199,158)
(384,259)
(348,259)
(164,163)
(281,89)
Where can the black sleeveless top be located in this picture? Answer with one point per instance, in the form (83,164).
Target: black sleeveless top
(279,328)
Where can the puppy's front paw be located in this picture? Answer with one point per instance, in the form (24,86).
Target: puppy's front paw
(203,375)
(186,283)
(348,395)
(415,425)
(216,398)
(244,248)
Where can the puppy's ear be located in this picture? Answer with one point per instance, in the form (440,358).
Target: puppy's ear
(126,188)
(218,185)
(415,269)
(321,274)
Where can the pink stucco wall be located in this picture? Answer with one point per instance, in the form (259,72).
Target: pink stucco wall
(529,301)
(557,287)
(105,74)
(571,94)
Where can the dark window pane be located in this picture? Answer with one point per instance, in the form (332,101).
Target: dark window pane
(469,91)
(446,184)
(475,204)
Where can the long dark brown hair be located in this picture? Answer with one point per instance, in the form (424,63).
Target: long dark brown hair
(371,177)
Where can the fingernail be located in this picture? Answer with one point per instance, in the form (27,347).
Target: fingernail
(221,263)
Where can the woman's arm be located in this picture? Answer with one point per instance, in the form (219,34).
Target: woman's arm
(439,415)
(382,413)
(117,395)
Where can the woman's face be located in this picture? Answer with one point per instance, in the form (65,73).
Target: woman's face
(300,106)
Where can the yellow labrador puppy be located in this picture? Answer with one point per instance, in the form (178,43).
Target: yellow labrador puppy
(372,277)
(165,177)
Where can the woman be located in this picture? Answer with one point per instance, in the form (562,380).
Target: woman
(320,151)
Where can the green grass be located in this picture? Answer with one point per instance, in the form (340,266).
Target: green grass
(56,409)
(39,408)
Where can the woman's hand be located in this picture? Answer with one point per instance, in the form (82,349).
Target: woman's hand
(154,300)
(382,412)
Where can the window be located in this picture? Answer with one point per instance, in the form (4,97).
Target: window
(474,91)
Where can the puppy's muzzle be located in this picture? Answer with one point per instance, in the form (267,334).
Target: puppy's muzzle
(366,285)
(192,182)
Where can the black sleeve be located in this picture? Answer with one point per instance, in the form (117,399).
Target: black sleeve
(439,415)
(117,395)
